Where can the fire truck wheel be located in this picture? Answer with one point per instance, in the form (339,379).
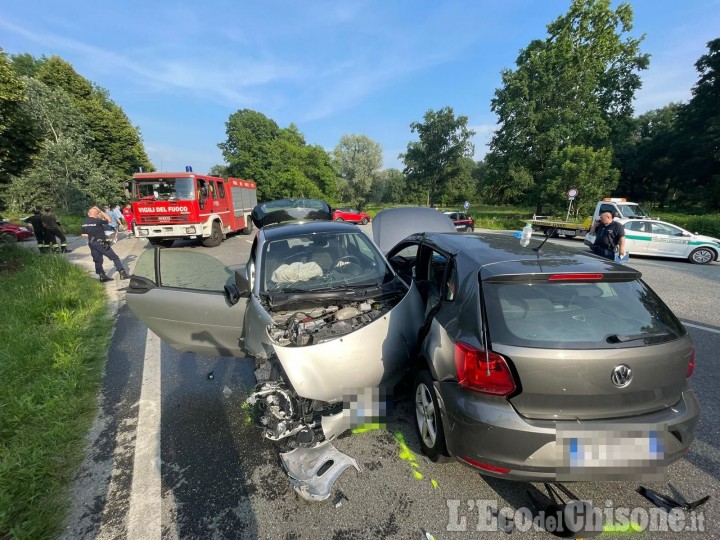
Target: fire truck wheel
(215,238)
(248,229)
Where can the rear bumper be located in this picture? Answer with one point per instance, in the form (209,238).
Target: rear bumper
(490,431)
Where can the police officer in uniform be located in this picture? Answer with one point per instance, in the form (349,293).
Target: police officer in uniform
(93,228)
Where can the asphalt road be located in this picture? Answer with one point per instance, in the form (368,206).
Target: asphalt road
(174,455)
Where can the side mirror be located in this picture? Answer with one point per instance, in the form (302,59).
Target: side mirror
(240,289)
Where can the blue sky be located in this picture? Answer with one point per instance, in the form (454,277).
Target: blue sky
(179,69)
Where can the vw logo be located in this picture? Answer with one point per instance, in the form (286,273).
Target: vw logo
(621,376)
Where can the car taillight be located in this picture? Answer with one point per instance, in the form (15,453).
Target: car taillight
(691,364)
(483,371)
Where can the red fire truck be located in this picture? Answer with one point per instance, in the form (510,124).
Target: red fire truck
(171,206)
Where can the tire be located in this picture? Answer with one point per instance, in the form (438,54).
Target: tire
(339,219)
(248,228)
(364,221)
(702,256)
(552,233)
(163,242)
(215,238)
(428,420)
(469,228)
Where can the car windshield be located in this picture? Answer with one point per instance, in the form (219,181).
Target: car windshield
(578,315)
(323,261)
(165,188)
(632,211)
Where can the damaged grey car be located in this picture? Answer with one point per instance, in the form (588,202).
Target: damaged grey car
(326,318)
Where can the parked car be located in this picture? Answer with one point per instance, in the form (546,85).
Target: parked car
(12,233)
(662,239)
(351,215)
(527,365)
(462,221)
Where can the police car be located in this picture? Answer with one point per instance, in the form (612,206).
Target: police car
(662,239)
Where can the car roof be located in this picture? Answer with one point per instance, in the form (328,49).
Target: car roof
(288,210)
(281,231)
(499,254)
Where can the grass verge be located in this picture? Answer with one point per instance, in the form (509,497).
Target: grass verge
(53,344)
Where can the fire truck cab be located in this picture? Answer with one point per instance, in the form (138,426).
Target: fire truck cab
(185,205)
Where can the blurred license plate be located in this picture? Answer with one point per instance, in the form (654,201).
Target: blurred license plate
(629,446)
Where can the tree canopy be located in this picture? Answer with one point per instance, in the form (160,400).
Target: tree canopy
(357,160)
(435,161)
(574,89)
(277,159)
(64,142)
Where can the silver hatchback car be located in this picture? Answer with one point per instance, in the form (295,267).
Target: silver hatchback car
(545,365)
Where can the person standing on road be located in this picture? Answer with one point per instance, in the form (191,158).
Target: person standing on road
(113,222)
(93,228)
(35,221)
(609,235)
(53,231)
(129,218)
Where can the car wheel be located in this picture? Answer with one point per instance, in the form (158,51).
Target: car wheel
(552,233)
(428,421)
(339,219)
(469,228)
(364,221)
(215,238)
(702,256)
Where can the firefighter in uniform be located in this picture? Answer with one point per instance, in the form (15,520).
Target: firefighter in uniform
(53,231)
(36,222)
(93,228)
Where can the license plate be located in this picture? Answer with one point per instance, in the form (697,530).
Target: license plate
(627,449)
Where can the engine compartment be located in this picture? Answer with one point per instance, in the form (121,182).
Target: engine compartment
(318,324)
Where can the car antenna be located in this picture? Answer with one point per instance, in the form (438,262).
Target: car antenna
(551,233)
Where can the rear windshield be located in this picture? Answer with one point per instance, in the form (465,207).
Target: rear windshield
(578,315)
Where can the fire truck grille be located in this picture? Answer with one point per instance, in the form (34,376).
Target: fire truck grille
(162,219)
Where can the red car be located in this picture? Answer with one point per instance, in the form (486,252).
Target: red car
(462,221)
(350,215)
(11,233)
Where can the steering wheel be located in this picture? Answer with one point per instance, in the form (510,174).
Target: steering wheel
(348,260)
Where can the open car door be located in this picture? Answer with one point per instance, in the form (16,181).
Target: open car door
(180,295)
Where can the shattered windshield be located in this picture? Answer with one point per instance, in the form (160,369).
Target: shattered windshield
(165,189)
(323,262)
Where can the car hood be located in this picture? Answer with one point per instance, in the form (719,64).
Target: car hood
(395,224)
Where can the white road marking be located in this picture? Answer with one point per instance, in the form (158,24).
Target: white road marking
(146,498)
(702,327)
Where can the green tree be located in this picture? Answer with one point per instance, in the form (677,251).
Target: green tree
(699,131)
(357,159)
(247,149)
(587,170)
(648,157)
(110,132)
(19,137)
(66,172)
(436,159)
(278,159)
(572,89)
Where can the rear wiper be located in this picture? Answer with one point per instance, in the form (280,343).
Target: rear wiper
(624,339)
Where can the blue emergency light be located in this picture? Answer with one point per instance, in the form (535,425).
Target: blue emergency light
(188,168)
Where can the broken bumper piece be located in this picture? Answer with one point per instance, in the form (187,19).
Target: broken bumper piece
(313,471)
